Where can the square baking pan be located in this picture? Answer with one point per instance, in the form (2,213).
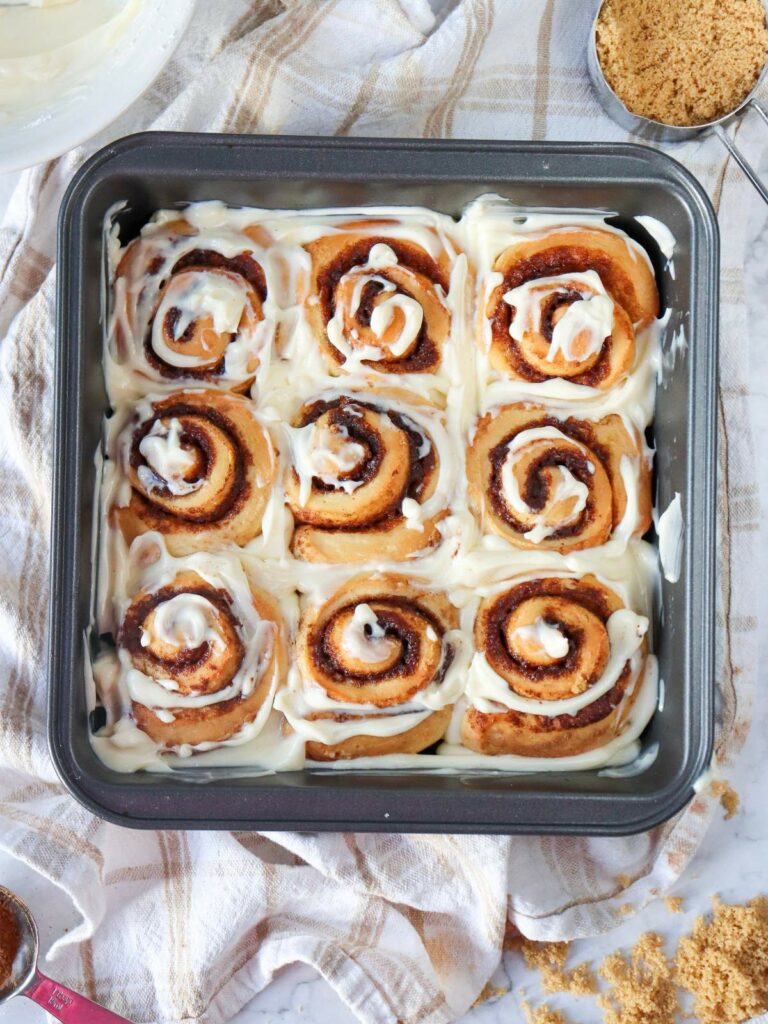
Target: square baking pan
(152,171)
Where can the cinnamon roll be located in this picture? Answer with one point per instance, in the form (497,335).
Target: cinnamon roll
(557,667)
(201,651)
(546,483)
(370,477)
(565,304)
(198,467)
(190,304)
(378,666)
(377,300)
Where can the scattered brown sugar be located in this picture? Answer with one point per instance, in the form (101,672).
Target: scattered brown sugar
(641,987)
(9,942)
(724,963)
(624,881)
(674,904)
(489,992)
(625,908)
(548,958)
(683,62)
(542,1015)
(727,795)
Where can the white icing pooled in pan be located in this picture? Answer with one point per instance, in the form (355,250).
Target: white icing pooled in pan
(280,355)
(670,527)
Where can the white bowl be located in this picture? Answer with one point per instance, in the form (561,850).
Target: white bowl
(118,78)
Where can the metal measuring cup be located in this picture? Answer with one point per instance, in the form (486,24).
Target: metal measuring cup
(26,980)
(657,131)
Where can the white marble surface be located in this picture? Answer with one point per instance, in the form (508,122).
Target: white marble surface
(732,860)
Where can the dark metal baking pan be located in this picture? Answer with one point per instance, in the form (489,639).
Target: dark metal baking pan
(151,171)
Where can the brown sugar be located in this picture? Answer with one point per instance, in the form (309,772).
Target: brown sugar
(488,993)
(548,958)
(727,795)
(641,987)
(724,963)
(674,904)
(542,1015)
(9,942)
(682,62)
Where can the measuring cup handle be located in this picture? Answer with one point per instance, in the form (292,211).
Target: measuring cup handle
(739,157)
(68,1006)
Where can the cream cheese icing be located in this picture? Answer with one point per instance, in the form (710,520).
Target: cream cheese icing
(467,564)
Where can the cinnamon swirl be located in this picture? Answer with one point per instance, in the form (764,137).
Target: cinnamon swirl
(201,650)
(190,304)
(565,304)
(371,477)
(546,483)
(378,666)
(557,667)
(378,298)
(198,467)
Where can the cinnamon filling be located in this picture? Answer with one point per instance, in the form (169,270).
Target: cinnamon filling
(244,265)
(536,491)
(328,660)
(202,259)
(552,263)
(494,642)
(491,637)
(131,630)
(420,470)
(340,415)
(425,354)
(550,306)
(194,435)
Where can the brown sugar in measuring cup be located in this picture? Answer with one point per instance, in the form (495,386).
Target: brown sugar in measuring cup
(661,87)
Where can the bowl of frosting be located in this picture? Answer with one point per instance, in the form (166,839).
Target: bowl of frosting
(68,68)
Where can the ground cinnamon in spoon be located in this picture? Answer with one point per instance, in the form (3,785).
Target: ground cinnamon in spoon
(9,942)
(682,62)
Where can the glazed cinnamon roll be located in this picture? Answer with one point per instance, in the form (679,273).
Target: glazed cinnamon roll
(370,477)
(190,304)
(566,304)
(377,300)
(546,483)
(558,665)
(198,467)
(201,651)
(377,667)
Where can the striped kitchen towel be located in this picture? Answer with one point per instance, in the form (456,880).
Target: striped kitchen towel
(187,926)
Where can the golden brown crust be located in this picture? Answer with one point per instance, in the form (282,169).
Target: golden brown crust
(591,450)
(234,458)
(625,275)
(580,609)
(428,732)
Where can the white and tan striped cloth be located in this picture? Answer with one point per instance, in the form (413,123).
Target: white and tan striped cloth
(184,926)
